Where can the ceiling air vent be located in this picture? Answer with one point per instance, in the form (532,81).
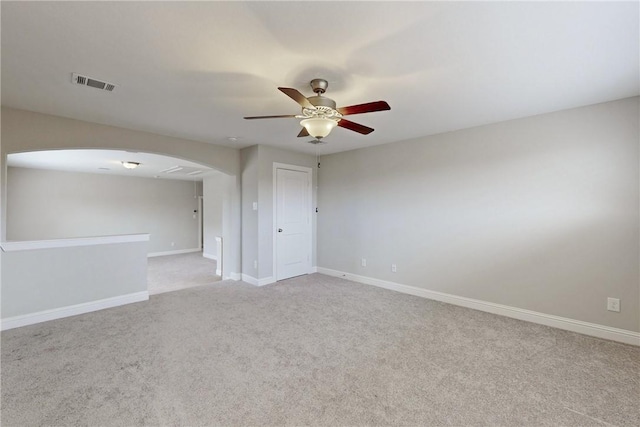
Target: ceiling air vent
(90,81)
(182,170)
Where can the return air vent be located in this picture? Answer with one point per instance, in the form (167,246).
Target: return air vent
(182,170)
(90,81)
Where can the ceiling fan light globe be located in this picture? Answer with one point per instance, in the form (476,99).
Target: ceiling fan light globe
(318,127)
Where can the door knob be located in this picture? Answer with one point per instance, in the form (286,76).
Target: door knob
(279,230)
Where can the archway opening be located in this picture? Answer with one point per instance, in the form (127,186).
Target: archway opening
(77,193)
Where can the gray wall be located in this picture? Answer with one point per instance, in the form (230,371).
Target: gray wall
(231,228)
(257,185)
(539,213)
(249,162)
(213,191)
(45,204)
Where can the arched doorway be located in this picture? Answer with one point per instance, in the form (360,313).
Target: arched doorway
(75,193)
(41,284)
(25,131)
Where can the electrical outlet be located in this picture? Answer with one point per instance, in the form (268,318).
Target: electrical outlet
(255,206)
(255,263)
(363,262)
(613,304)
(393,268)
(173,243)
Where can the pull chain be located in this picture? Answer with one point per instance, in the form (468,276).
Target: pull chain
(317,173)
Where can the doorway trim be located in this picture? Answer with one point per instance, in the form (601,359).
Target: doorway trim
(200,224)
(274,222)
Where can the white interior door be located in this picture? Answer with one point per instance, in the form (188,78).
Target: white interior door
(293,223)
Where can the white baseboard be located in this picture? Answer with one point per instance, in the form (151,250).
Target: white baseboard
(586,328)
(314,269)
(249,279)
(72,310)
(210,256)
(257,282)
(233,276)
(266,281)
(177,252)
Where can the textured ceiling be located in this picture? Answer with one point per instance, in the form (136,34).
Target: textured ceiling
(194,69)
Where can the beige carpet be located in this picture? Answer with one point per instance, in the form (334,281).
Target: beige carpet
(313,350)
(175,272)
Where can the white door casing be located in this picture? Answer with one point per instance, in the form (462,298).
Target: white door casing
(292,221)
(200,223)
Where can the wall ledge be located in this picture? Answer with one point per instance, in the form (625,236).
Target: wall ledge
(72,310)
(586,328)
(29,245)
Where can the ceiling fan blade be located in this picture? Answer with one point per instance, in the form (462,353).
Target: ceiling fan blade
(270,117)
(303,132)
(347,124)
(297,96)
(369,107)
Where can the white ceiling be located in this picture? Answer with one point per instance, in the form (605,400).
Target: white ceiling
(194,69)
(109,162)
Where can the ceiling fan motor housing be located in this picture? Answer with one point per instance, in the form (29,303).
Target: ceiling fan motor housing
(322,101)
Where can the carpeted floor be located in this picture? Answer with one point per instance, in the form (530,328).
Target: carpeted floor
(313,350)
(175,272)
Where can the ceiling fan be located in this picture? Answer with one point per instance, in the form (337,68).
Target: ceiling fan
(320,115)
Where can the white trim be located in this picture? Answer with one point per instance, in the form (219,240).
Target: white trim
(309,172)
(72,310)
(200,222)
(29,245)
(586,328)
(249,279)
(266,281)
(314,269)
(257,282)
(233,276)
(177,252)
(210,256)
(219,256)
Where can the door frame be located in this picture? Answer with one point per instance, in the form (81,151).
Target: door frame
(200,223)
(309,172)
